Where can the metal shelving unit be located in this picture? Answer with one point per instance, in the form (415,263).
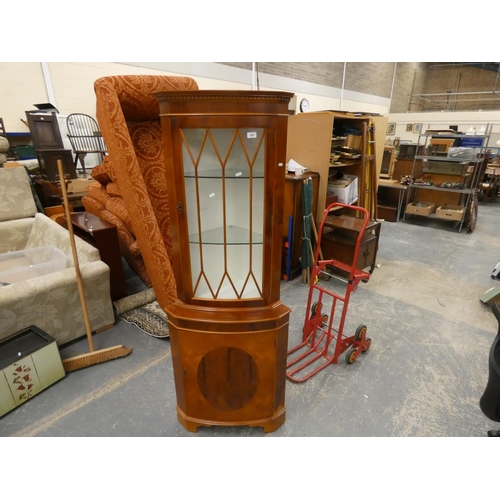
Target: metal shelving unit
(470,178)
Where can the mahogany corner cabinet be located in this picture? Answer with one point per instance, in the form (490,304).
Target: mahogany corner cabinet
(225,154)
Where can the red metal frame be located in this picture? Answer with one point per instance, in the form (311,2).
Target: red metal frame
(318,331)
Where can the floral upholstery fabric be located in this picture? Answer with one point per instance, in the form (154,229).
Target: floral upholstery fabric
(14,234)
(52,301)
(115,212)
(16,198)
(45,233)
(128,115)
(112,189)
(104,172)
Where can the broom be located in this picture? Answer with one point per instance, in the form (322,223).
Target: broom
(93,357)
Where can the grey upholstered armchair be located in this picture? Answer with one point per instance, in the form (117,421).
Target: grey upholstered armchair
(49,301)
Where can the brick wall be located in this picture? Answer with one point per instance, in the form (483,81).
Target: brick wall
(373,78)
(376,78)
(461,77)
(322,73)
(409,79)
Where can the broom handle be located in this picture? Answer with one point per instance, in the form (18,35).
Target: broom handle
(75,256)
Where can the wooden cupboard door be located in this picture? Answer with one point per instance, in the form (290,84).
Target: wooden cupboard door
(230,377)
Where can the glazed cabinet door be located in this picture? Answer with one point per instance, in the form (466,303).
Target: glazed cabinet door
(225,209)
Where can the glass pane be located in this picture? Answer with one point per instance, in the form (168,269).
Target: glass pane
(224,180)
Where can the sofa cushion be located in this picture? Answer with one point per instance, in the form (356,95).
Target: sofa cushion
(16,197)
(117,207)
(14,234)
(112,189)
(98,192)
(4,144)
(46,232)
(103,173)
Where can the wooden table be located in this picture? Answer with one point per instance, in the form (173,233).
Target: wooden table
(103,236)
(384,206)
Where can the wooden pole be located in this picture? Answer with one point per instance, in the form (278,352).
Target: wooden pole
(75,257)
(92,357)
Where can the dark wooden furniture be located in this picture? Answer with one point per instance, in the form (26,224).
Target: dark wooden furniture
(409,151)
(339,240)
(50,195)
(47,160)
(388,160)
(225,160)
(404,166)
(391,198)
(103,236)
(49,146)
(293,209)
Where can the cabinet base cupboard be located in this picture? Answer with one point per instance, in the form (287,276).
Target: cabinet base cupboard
(225,161)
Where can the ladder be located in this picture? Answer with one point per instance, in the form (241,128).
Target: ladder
(370,171)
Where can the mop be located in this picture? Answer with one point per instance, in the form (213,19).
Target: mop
(93,357)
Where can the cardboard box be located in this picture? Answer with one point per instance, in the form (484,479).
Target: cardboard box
(346,189)
(79,185)
(450,212)
(29,363)
(414,208)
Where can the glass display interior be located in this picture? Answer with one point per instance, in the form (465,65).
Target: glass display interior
(224,182)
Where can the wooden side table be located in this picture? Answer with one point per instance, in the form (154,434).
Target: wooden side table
(390,199)
(339,236)
(103,236)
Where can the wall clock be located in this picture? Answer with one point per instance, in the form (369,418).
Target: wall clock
(304,105)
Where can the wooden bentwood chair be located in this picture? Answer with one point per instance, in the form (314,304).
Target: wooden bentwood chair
(85,137)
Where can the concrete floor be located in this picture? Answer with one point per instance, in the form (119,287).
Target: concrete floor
(423,375)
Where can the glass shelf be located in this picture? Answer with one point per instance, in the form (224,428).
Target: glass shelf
(234,236)
(229,173)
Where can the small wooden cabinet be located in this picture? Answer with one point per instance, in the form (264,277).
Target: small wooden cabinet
(392,196)
(225,161)
(339,240)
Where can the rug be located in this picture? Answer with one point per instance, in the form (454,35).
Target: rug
(143,310)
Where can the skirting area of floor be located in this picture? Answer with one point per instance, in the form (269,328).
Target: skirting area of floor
(423,375)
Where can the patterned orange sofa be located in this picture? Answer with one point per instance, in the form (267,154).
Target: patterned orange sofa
(104,199)
(130,187)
